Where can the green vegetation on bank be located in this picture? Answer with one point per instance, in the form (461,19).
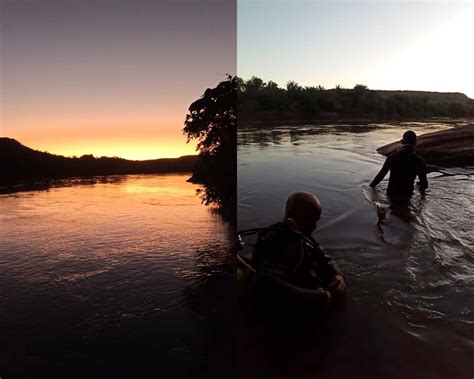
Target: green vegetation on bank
(265,101)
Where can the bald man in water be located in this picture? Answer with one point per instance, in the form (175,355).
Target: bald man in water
(291,267)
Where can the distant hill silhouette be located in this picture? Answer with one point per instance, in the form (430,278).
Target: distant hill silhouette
(438,97)
(20,164)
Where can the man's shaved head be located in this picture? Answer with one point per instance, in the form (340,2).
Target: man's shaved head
(305,209)
(409,138)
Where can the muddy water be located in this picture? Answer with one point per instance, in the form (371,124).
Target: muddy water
(110,277)
(410,307)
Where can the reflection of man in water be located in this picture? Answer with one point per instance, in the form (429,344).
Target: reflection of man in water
(404,167)
(291,267)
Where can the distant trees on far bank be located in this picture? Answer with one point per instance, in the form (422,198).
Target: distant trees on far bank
(20,164)
(266,101)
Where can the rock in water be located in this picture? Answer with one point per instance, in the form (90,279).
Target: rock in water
(447,148)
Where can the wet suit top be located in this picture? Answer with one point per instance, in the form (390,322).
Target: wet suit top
(404,166)
(290,267)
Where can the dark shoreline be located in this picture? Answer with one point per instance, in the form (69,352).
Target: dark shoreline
(351,121)
(20,164)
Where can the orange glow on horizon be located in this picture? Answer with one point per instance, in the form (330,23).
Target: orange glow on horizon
(134,139)
(134,146)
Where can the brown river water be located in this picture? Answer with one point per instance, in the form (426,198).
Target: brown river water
(409,311)
(111,277)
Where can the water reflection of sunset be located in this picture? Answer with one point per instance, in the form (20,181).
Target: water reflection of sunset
(174,188)
(90,227)
(92,258)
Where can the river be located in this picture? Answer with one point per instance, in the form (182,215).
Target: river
(111,276)
(409,310)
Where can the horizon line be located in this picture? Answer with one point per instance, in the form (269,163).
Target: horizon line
(97,157)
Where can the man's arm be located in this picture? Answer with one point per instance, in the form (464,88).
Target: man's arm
(383,171)
(423,184)
(327,264)
(273,284)
(329,269)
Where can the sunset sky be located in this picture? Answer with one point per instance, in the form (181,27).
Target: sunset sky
(394,45)
(115,77)
(110,77)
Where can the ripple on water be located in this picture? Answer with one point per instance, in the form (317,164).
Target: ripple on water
(417,267)
(105,254)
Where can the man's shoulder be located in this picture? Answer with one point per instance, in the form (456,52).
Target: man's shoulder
(276,233)
(403,154)
(393,156)
(276,245)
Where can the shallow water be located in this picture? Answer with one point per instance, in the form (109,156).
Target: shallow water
(111,276)
(409,310)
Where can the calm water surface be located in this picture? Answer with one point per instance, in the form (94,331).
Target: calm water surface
(112,276)
(410,307)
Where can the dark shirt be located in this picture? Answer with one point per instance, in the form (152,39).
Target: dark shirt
(291,267)
(404,166)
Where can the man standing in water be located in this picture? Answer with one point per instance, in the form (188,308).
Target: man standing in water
(404,166)
(291,268)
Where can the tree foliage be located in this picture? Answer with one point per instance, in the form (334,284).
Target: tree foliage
(258,100)
(212,122)
(212,119)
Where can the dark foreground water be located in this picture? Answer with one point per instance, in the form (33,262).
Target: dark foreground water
(409,312)
(111,277)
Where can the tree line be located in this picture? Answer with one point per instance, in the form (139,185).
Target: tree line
(20,164)
(265,101)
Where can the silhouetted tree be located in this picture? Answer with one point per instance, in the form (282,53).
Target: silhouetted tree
(272,85)
(254,84)
(212,121)
(293,87)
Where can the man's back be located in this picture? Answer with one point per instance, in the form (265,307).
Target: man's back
(404,167)
(288,269)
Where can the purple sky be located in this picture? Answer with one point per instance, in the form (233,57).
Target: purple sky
(110,77)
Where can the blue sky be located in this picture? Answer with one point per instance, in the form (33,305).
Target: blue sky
(384,45)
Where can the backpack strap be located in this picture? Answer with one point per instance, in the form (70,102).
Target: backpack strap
(295,229)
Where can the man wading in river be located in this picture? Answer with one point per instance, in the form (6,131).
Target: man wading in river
(404,167)
(291,268)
